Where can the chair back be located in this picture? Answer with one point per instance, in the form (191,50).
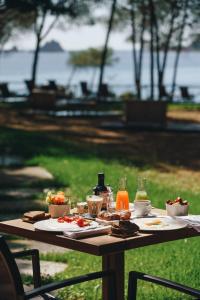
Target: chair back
(163,92)
(11,287)
(4,90)
(30,85)
(184,92)
(84,88)
(103,90)
(53,85)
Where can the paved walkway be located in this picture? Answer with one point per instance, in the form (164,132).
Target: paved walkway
(171,126)
(48,268)
(17,196)
(20,187)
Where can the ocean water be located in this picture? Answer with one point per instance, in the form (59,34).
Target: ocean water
(16,67)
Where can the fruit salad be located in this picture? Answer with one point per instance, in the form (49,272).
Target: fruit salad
(177,201)
(58,198)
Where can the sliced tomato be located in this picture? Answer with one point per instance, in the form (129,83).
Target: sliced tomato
(61,220)
(80,222)
(68,219)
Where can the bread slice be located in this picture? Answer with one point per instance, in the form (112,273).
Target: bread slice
(34,215)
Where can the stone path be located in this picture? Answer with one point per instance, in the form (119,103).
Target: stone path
(47,268)
(19,188)
(18,245)
(23,176)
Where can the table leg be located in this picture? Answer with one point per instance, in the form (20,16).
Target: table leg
(115,262)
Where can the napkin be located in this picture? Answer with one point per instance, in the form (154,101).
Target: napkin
(192,221)
(87,232)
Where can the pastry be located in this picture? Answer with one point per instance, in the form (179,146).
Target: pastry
(124,229)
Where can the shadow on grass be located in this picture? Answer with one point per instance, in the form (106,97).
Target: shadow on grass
(28,145)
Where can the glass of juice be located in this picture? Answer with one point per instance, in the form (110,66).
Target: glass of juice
(122,199)
(141,193)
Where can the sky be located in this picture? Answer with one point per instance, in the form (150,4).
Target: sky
(74,38)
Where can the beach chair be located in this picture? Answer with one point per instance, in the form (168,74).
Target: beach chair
(11,287)
(185,95)
(135,276)
(163,93)
(84,89)
(5,92)
(53,85)
(29,85)
(104,93)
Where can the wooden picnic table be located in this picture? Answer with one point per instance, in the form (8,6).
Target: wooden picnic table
(110,248)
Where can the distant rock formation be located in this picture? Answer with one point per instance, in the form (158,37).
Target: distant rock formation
(13,49)
(51,46)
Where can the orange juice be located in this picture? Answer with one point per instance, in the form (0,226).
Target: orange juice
(122,200)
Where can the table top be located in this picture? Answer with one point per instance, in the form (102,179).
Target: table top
(98,245)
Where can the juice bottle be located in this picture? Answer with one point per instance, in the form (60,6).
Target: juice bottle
(122,199)
(141,193)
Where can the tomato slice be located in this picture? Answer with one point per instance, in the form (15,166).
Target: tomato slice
(80,222)
(61,220)
(68,219)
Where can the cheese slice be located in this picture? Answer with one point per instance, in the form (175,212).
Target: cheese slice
(154,222)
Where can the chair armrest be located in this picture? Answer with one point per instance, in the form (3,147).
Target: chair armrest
(34,253)
(71,281)
(167,283)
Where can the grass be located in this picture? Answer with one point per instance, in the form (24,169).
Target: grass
(184,106)
(75,167)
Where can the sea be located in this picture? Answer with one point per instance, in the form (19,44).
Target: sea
(15,67)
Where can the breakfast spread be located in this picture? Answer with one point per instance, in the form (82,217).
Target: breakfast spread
(115,215)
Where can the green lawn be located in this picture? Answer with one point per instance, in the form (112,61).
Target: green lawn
(76,167)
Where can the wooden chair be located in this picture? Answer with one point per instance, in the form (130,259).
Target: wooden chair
(185,95)
(11,287)
(134,276)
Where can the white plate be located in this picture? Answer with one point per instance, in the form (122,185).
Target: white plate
(54,226)
(167,223)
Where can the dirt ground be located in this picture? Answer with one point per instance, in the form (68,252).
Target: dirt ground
(167,152)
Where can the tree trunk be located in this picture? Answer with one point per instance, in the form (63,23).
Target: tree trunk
(93,77)
(39,37)
(35,60)
(104,53)
(135,63)
(166,49)
(179,48)
(141,52)
(71,76)
(151,9)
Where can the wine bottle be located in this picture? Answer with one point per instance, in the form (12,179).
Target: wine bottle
(101,190)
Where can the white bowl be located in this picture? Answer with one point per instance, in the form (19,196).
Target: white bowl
(177,209)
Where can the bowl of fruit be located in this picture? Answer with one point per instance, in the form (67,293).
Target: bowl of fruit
(177,207)
(59,204)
